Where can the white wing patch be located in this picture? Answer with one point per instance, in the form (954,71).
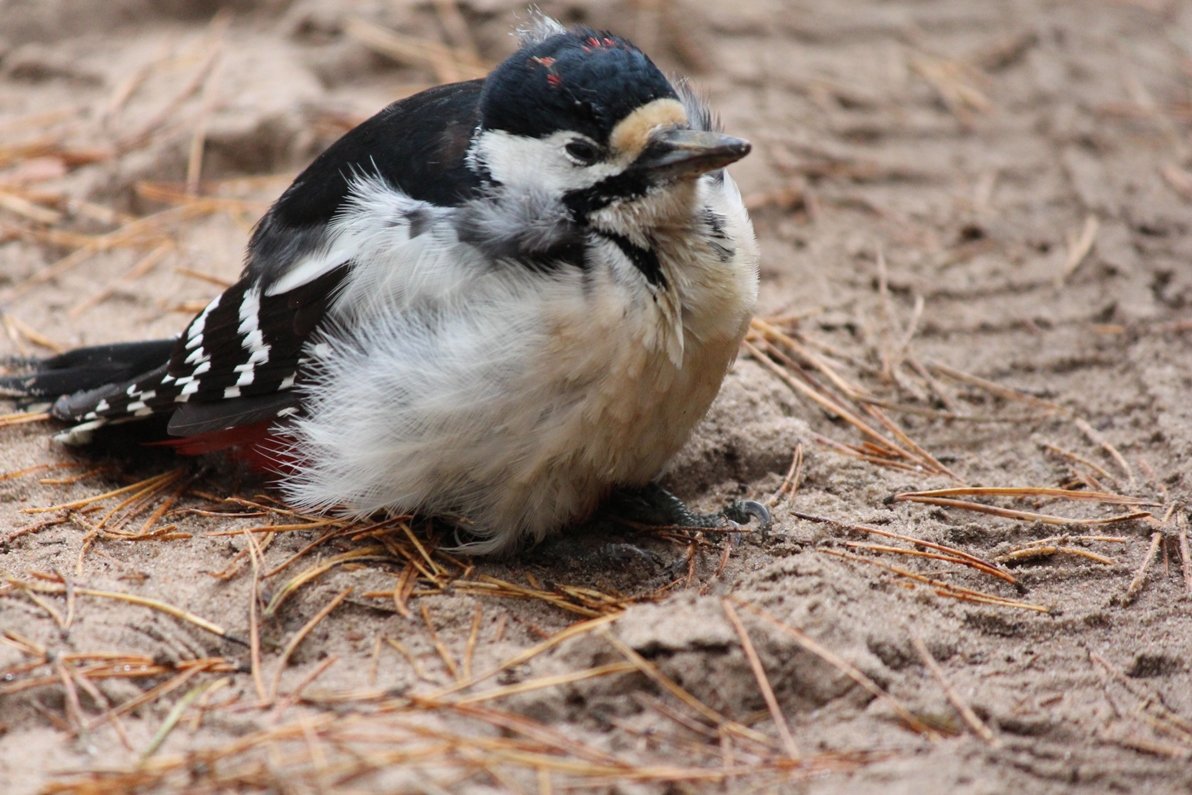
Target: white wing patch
(376,218)
(313,265)
(194,333)
(403,252)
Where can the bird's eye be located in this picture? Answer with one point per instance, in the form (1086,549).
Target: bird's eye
(582,152)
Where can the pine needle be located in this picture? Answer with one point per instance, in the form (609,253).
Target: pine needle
(966,712)
(23,418)
(301,634)
(1139,580)
(291,586)
(140,601)
(763,683)
(845,667)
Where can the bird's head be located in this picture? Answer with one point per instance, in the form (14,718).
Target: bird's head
(587,118)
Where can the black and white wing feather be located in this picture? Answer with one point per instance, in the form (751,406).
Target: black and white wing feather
(238,360)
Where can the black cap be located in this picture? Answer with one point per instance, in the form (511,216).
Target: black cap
(583,80)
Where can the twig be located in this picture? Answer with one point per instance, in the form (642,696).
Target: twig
(1032,552)
(291,586)
(410,658)
(933,463)
(845,667)
(966,712)
(207,278)
(1079,247)
(941,588)
(1107,497)
(473,637)
(141,267)
(74,709)
(953,83)
(15,326)
(141,601)
(666,683)
(1136,584)
(1027,516)
(1185,554)
(22,418)
(35,212)
(956,555)
(198,141)
(440,647)
(402,588)
(575,630)
(456,28)
(301,634)
(254,621)
(175,715)
(145,484)
(547,681)
(916,553)
(448,63)
(1096,437)
(169,111)
(829,405)
(763,683)
(1100,470)
(994,388)
(1178,179)
(296,693)
(790,483)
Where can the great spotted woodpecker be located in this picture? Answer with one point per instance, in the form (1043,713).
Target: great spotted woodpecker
(500,298)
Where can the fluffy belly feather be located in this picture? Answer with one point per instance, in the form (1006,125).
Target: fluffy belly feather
(523,406)
(626,409)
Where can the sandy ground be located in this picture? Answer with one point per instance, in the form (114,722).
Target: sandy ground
(978,215)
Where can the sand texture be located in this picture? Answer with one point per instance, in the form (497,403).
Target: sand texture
(976,225)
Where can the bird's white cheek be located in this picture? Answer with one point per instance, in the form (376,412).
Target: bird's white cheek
(516,160)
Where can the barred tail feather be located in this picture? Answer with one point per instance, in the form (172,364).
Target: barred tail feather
(83,369)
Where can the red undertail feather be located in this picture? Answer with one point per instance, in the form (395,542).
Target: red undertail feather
(255,445)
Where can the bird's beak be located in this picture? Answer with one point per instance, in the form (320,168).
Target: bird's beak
(673,154)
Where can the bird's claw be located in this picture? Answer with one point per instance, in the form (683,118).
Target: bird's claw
(741,511)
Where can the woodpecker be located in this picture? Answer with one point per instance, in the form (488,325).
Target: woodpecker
(500,299)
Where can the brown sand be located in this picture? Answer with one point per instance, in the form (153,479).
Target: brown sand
(1004,189)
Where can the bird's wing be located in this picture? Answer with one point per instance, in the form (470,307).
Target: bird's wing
(238,360)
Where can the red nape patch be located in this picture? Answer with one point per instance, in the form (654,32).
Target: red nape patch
(252,444)
(593,43)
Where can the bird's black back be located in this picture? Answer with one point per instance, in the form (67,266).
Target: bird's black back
(418,144)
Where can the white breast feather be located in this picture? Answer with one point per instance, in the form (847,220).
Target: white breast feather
(515,398)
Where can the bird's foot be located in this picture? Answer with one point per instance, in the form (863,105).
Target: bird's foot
(654,505)
(601,539)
